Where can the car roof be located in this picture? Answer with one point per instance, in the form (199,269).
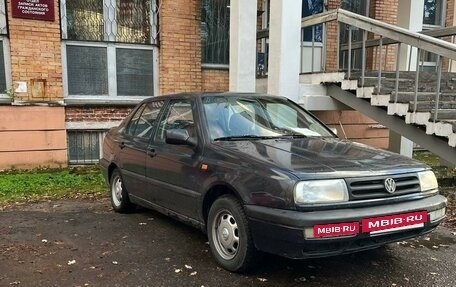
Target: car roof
(216,94)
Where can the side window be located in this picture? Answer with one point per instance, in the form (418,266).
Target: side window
(144,121)
(178,115)
(130,130)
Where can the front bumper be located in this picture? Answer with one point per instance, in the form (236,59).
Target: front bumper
(281,232)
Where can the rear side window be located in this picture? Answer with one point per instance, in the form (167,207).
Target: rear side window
(143,122)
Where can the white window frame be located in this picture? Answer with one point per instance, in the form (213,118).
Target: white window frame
(431,27)
(7,60)
(111,46)
(112,73)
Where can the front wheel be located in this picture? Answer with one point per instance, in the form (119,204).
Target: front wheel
(119,197)
(229,235)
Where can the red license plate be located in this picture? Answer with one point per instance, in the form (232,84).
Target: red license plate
(394,222)
(336,229)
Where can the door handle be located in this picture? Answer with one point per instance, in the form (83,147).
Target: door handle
(151,152)
(122,145)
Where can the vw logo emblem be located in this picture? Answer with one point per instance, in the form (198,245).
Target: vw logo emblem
(390,185)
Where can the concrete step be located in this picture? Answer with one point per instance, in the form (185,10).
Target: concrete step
(427,106)
(424,76)
(445,114)
(407,97)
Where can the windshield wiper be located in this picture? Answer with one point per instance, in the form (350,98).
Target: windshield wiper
(245,137)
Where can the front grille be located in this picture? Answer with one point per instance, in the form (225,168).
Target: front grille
(374,187)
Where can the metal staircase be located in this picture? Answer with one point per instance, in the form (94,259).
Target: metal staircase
(403,94)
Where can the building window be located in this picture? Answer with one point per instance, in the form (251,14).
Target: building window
(433,13)
(124,21)
(215,28)
(85,147)
(312,7)
(5,70)
(109,48)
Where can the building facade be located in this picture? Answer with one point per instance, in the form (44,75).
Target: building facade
(70,70)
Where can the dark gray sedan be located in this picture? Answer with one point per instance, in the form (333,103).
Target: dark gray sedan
(259,173)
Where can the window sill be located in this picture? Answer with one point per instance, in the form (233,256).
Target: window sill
(103,101)
(5,101)
(215,67)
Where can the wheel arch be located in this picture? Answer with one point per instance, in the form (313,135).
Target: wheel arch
(111,168)
(214,192)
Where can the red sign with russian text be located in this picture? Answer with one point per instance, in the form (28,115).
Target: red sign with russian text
(33,9)
(393,221)
(337,229)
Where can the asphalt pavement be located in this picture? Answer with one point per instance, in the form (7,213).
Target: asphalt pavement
(84,243)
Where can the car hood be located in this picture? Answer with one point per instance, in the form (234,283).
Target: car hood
(316,157)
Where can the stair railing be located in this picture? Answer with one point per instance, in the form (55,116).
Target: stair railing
(377,37)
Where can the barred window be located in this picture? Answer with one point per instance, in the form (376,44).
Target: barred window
(110,47)
(215,28)
(125,21)
(85,146)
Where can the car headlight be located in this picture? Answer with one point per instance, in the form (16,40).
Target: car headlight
(428,181)
(320,191)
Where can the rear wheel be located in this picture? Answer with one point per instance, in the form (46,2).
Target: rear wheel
(119,197)
(229,235)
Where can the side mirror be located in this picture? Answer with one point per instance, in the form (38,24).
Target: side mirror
(179,137)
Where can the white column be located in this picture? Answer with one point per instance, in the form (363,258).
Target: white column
(400,144)
(243,21)
(284,48)
(409,16)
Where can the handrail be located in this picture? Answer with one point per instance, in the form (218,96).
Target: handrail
(436,33)
(386,30)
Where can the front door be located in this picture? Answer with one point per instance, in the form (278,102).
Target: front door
(176,168)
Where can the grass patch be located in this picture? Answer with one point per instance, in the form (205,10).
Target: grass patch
(20,186)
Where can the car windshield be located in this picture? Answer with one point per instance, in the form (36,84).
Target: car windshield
(237,117)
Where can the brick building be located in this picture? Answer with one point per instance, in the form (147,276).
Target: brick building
(75,69)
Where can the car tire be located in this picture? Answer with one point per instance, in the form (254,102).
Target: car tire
(229,235)
(119,196)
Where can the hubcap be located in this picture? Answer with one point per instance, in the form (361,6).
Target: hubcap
(116,190)
(225,234)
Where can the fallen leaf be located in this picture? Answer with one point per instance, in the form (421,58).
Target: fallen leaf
(188,266)
(44,240)
(193,273)
(435,259)
(115,262)
(433,273)
(301,279)
(15,283)
(143,223)
(262,279)
(435,247)
(71,262)
(177,270)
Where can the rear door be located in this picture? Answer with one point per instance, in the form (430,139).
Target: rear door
(134,147)
(176,168)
